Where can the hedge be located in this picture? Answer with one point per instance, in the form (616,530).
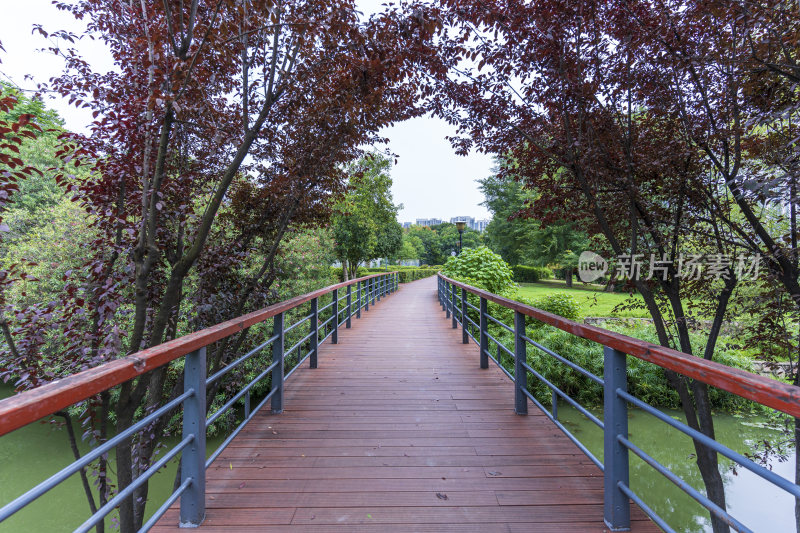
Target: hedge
(528,274)
(406,273)
(418,273)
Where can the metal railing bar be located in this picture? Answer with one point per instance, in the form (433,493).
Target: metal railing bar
(300,342)
(506,372)
(302,320)
(769,392)
(565,396)
(165,506)
(580,369)
(645,508)
(500,344)
(324,307)
(239,361)
(136,483)
(239,428)
(236,397)
(567,432)
(328,335)
(770,476)
(499,323)
(685,487)
(472,306)
(300,362)
(45,486)
(322,325)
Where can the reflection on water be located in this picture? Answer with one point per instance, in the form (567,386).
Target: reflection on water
(755,502)
(35,452)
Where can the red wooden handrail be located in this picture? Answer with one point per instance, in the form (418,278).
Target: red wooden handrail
(31,405)
(772,393)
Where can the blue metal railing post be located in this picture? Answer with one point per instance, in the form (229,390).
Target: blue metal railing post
(453,304)
(193,459)
(349,305)
(446,298)
(358,300)
(484,337)
(335,307)
(520,372)
(373,288)
(314,331)
(378,287)
(464,323)
(617,512)
(366,295)
(277,357)
(441,295)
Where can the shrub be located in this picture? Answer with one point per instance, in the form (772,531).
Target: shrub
(529,274)
(559,303)
(418,273)
(482,268)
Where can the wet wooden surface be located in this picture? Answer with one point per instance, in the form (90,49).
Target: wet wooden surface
(400,430)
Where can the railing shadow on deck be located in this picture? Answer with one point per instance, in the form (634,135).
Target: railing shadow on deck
(30,406)
(454,298)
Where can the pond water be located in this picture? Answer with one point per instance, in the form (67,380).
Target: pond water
(35,452)
(755,502)
(31,454)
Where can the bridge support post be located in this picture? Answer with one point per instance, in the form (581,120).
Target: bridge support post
(335,308)
(373,288)
(277,357)
(193,460)
(484,338)
(314,331)
(520,372)
(380,287)
(366,295)
(453,304)
(358,300)
(349,305)
(617,512)
(464,323)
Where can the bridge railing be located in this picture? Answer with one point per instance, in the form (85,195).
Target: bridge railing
(30,406)
(453,296)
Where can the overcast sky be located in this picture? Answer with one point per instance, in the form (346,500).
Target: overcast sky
(429,179)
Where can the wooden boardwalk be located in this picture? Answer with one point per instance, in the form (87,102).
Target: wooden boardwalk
(400,430)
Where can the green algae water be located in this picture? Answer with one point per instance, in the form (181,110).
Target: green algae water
(752,500)
(37,451)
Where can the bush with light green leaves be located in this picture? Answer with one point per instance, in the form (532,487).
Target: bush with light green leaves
(482,268)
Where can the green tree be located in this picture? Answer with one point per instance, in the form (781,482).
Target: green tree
(448,238)
(365,223)
(524,237)
(507,235)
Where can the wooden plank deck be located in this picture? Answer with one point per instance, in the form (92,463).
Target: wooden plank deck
(400,430)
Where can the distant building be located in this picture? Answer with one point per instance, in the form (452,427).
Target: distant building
(477,225)
(468,220)
(471,222)
(428,221)
(480,225)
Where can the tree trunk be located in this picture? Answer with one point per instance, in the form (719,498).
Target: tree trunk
(568,276)
(345,276)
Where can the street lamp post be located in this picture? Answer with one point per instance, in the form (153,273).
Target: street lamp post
(460,227)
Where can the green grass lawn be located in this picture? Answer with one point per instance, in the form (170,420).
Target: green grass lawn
(593,301)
